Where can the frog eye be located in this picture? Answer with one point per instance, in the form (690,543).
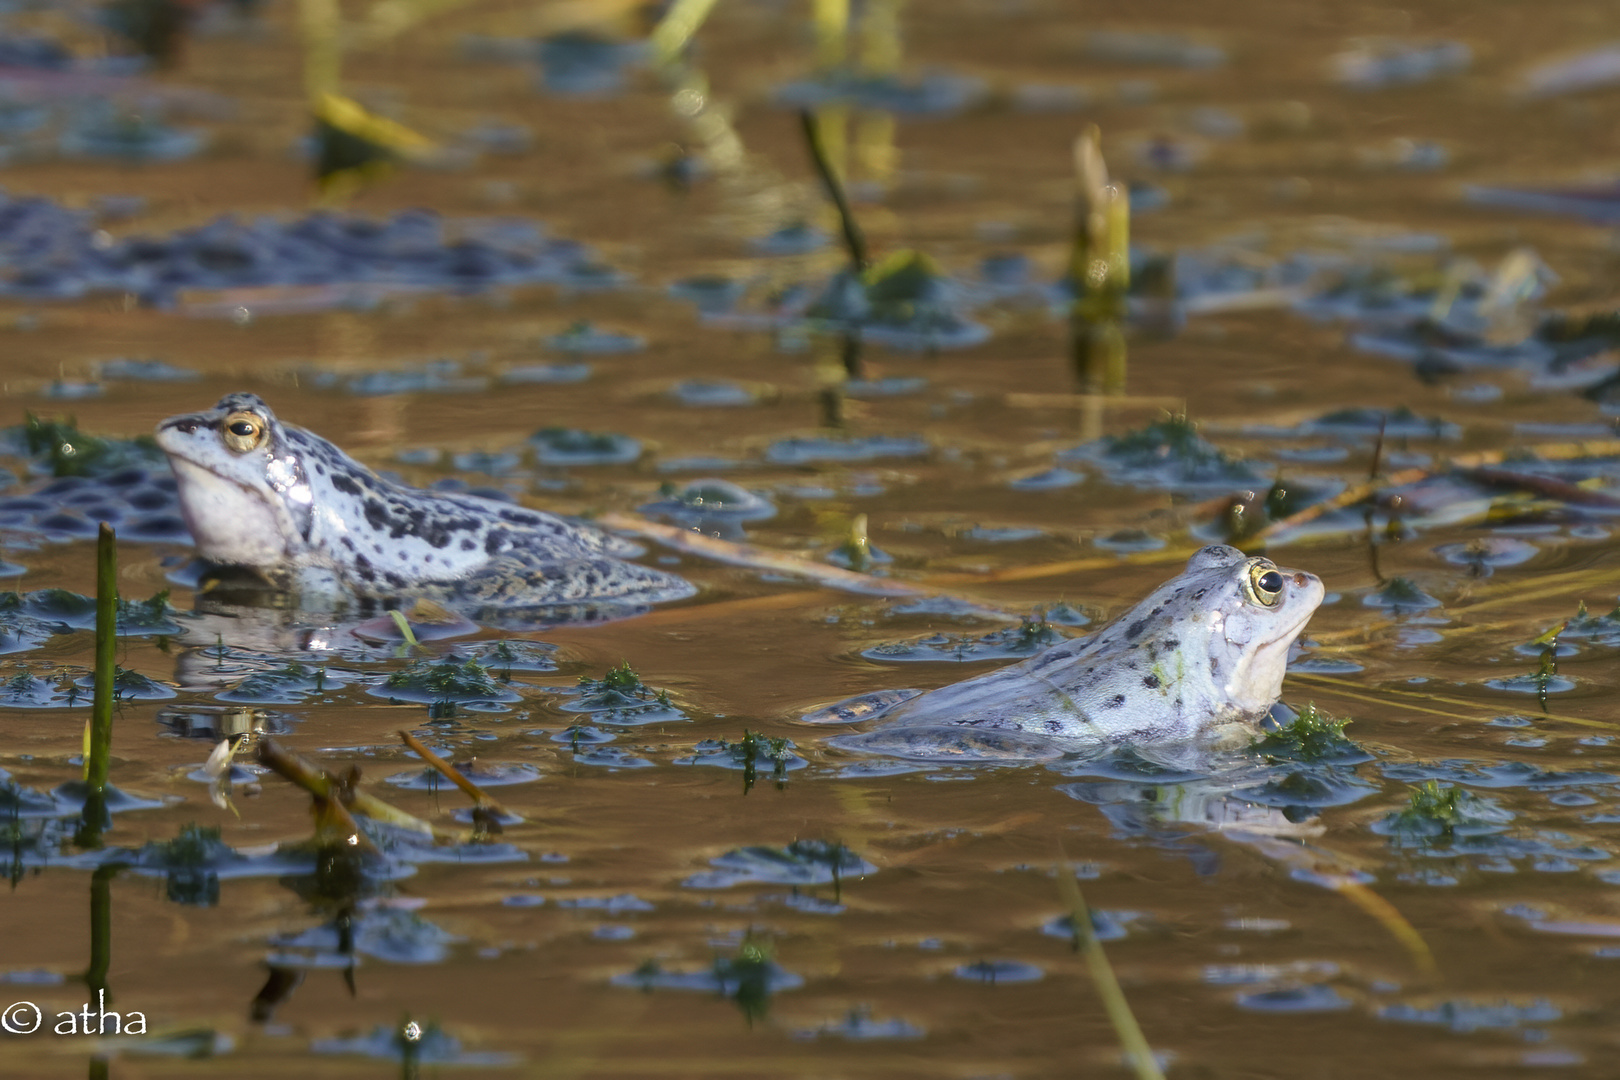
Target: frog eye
(1265,583)
(242,431)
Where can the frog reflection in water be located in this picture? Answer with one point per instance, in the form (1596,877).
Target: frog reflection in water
(1205,652)
(289,505)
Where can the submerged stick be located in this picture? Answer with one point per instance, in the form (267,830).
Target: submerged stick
(853,240)
(1479,464)
(1131,1039)
(1349,689)
(782,562)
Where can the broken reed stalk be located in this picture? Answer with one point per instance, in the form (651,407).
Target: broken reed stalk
(853,240)
(339,798)
(1099,257)
(1137,1051)
(451,773)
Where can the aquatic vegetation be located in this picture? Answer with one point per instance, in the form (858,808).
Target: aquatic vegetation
(411,250)
(1383,62)
(1029,637)
(101,131)
(925,95)
(1167,453)
(412,1043)
(444,684)
(484,774)
(132,686)
(585,337)
(1436,813)
(903,302)
(749,978)
(819,449)
(1295,999)
(709,502)
(801,863)
(858,1026)
(1399,596)
(620,697)
(748,755)
(1463,1015)
(578,63)
(504,657)
(1311,736)
(1598,629)
(570,446)
(993,972)
(712,393)
(289,685)
(25,690)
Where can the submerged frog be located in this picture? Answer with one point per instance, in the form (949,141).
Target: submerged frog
(1205,651)
(289,505)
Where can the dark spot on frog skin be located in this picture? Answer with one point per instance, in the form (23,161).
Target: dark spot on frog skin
(467,544)
(345,484)
(1170,644)
(1135,629)
(1198,594)
(362,568)
(520,517)
(496,542)
(1114,702)
(1151,681)
(376,516)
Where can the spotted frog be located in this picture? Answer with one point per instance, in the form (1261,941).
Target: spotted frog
(284,502)
(1204,651)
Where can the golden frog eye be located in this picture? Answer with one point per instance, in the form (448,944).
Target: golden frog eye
(1265,583)
(242,431)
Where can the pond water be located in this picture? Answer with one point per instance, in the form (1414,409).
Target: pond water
(1399,210)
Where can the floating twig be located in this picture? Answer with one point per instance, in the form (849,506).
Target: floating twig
(454,775)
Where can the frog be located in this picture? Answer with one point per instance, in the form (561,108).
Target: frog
(1202,656)
(290,506)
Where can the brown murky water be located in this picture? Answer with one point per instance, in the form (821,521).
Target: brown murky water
(1242,953)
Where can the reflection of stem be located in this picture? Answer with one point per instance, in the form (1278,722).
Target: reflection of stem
(850,354)
(95,976)
(831,19)
(318,22)
(853,240)
(874,147)
(880,38)
(1099,355)
(1137,1051)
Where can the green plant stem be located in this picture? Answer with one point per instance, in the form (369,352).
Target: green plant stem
(98,754)
(853,240)
(1137,1051)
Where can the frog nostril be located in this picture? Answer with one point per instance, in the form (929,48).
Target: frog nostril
(1299,580)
